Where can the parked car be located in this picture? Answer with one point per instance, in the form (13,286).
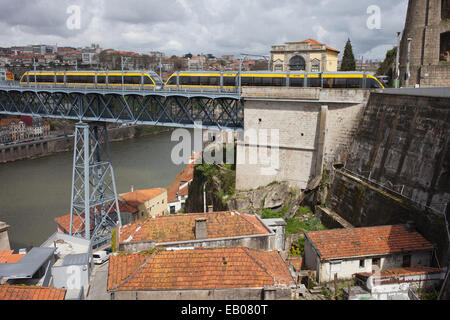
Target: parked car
(100,257)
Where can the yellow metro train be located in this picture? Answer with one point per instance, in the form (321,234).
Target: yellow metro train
(148,79)
(230,80)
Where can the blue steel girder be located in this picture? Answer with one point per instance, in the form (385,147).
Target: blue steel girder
(217,111)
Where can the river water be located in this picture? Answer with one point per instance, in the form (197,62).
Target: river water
(34,192)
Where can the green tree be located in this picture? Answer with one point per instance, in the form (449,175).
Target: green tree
(348,60)
(387,67)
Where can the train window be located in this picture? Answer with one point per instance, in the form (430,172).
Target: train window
(204,81)
(101,79)
(247,81)
(257,81)
(296,82)
(195,81)
(185,80)
(279,82)
(24,78)
(41,78)
(214,81)
(340,83)
(172,81)
(229,81)
(328,82)
(267,81)
(314,82)
(115,79)
(136,80)
(148,80)
(60,79)
(372,84)
(354,83)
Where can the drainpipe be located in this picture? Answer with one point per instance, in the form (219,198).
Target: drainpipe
(204,197)
(408,74)
(397,62)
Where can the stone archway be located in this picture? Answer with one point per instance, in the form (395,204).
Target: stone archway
(297,63)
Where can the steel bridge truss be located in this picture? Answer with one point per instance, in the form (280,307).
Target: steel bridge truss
(223,112)
(94,207)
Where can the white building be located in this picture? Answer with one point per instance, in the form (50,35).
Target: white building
(346,252)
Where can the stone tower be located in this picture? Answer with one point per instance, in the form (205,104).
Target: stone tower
(428,25)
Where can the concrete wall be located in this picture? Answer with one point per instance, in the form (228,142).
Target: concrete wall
(219,294)
(265,242)
(4,239)
(402,144)
(315,128)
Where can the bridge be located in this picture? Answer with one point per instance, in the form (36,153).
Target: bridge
(169,108)
(95,209)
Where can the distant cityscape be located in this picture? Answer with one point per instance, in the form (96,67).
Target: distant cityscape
(18,59)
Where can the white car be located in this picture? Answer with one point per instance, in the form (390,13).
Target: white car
(100,257)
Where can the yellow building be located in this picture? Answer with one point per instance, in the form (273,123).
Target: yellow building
(151,202)
(308,55)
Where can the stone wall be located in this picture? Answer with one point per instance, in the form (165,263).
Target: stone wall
(424,25)
(398,167)
(4,239)
(217,294)
(315,128)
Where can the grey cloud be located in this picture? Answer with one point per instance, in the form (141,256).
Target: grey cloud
(208,26)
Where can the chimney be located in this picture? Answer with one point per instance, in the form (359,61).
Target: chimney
(200,229)
(210,209)
(132,188)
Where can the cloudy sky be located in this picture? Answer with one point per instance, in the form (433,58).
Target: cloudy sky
(202,26)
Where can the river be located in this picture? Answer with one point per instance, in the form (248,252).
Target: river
(34,192)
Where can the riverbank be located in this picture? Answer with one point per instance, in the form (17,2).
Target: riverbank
(51,145)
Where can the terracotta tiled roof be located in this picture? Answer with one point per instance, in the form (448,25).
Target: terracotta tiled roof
(64,221)
(7,256)
(184,176)
(203,268)
(316,43)
(343,243)
(31,293)
(181,227)
(139,197)
(402,272)
(7,122)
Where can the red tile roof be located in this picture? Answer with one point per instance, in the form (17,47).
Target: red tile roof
(181,227)
(185,176)
(139,197)
(343,243)
(402,272)
(30,293)
(203,268)
(7,256)
(7,122)
(315,43)
(64,221)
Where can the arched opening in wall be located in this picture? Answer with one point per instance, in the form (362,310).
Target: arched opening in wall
(445,10)
(297,63)
(278,65)
(445,47)
(315,65)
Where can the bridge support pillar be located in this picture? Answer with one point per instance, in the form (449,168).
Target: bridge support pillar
(94,209)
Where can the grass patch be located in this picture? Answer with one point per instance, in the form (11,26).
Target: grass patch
(271,214)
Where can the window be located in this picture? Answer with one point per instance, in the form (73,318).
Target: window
(136,80)
(296,82)
(172,81)
(60,79)
(247,81)
(101,79)
(354,83)
(314,82)
(315,65)
(362,263)
(406,261)
(445,47)
(372,84)
(376,264)
(445,11)
(229,81)
(297,63)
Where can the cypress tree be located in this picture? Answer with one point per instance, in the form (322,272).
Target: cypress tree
(348,60)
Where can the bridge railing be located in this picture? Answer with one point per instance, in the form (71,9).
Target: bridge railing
(116,88)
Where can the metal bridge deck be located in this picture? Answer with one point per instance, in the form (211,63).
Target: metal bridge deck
(171,108)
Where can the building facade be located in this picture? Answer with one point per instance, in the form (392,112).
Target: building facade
(343,253)
(308,55)
(150,202)
(428,27)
